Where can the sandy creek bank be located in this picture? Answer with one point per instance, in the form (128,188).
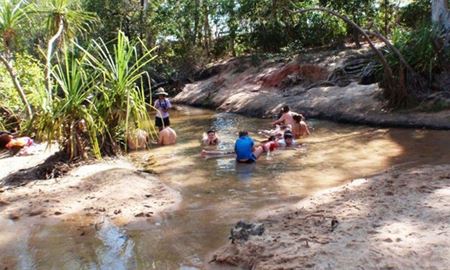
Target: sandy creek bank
(260,89)
(111,191)
(399,219)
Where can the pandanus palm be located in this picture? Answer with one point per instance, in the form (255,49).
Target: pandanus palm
(65,19)
(100,97)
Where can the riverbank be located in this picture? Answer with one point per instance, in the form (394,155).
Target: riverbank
(113,189)
(260,89)
(396,220)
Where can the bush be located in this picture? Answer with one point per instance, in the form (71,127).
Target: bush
(31,75)
(417,48)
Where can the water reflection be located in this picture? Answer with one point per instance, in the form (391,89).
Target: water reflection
(117,251)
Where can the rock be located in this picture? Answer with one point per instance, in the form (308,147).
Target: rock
(141,214)
(14,216)
(118,211)
(3,203)
(148,195)
(36,212)
(334,224)
(57,213)
(242,231)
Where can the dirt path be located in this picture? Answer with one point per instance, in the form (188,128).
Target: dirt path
(396,220)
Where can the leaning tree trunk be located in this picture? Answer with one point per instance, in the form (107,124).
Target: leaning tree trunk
(48,66)
(17,85)
(392,92)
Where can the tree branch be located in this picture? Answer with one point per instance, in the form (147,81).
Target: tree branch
(17,85)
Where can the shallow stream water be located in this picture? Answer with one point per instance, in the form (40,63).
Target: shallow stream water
(218,192)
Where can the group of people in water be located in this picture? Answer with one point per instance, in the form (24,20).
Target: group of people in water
(288,127)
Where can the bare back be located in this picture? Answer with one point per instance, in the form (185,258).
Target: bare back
(167,136)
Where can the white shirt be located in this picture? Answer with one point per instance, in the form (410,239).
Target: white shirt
(162,104)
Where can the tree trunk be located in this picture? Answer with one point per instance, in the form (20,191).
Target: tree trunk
(48,65)
(207,29)
(386,17)
(17,85)
(391,93)
(440,13)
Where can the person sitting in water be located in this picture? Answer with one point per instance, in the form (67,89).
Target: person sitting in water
(137,139)
(167,136)
(286,118)
(300,128)
(245,150)
(279,130)
(288,140)
(267,146)
(210,138)
(271,144)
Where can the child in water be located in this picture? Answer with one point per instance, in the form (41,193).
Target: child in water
(210,138)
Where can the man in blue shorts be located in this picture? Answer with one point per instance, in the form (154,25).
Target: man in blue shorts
(245,150)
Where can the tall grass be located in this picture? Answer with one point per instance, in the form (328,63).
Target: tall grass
(98,98)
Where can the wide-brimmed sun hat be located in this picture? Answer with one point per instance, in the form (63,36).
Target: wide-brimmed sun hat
(160,92)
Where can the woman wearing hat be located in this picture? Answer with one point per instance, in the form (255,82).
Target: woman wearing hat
(162,104)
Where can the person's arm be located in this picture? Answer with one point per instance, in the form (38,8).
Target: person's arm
(169,104)
(305,126)
(279,121)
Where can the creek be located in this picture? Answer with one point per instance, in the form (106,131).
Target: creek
(219,192)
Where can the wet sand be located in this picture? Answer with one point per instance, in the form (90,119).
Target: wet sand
(114,189)
(399,219)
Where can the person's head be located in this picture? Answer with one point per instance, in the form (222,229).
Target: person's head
(161,93)
(5,139)
(298,118)
(243,133)
(211,134)
(285,109)
(272,138)
(288,138)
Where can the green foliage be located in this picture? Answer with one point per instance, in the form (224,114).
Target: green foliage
(76,20)
(417,13)
(30,70)
(417,48)
(12,17)
(101,88)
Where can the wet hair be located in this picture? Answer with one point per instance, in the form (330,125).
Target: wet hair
(5,139)
(285,108)
(288,135)
(243,133)
(298,118)
(272,138)
(211,131)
